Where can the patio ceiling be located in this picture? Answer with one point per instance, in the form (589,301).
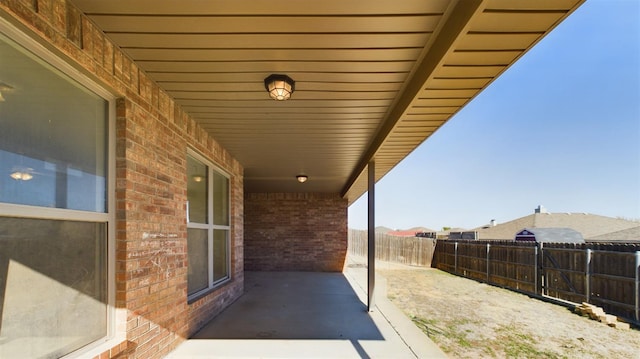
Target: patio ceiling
(374,79)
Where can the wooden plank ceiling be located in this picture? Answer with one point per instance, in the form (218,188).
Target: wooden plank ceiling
(374,79)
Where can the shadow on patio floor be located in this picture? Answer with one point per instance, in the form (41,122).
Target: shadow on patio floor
(294,305)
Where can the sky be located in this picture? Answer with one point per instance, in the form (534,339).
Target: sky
(560,128)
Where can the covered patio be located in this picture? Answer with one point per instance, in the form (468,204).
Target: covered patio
(370,82)
(309,315)
(205,187)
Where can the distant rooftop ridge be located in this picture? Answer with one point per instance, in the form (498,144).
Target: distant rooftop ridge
(589,225)
(593,227)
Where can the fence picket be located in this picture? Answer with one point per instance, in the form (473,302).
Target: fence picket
(416,251)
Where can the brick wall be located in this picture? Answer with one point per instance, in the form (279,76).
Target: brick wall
(295,232)
(152,135)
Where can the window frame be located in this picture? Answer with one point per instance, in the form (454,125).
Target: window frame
(210,226)
(54,59)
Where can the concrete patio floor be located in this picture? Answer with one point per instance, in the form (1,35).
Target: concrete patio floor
(309,315)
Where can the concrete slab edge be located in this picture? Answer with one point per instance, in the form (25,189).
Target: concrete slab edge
(417,341)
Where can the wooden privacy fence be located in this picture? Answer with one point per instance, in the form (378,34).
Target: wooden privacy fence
(416,251)
(607,275)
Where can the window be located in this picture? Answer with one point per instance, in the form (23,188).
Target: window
(55,217)
(208,225)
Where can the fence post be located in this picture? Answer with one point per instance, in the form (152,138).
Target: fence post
(587,276)
(637,285)
(543,281)
(535,269)
(488,248)
(455,261)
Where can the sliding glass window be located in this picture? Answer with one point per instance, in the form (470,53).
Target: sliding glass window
(208,225)
(54,207)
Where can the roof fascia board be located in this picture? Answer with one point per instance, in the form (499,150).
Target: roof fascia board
(454,27)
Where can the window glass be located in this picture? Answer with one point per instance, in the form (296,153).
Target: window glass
(220,262)
(220,199)
(53,286)
(198,277)
(53,143)
(197,185)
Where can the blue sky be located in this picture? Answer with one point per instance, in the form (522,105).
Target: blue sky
(560,128)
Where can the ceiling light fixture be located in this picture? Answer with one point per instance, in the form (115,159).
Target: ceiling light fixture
(22,174)
(302,178)
(280,87)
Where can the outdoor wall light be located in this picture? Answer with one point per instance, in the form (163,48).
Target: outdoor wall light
(280,87)
(302,178)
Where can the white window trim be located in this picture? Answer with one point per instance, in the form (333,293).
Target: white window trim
(116,318)
(210,227)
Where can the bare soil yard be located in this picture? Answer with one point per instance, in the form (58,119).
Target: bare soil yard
(468,319)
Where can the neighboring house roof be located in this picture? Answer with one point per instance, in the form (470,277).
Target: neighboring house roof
(457,229)
(550,235)
(409,232)
(383,229)
(589,225)
(625,235)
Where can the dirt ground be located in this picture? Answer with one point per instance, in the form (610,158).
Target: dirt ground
(468,319)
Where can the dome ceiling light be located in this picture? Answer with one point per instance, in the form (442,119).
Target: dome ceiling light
(280,87)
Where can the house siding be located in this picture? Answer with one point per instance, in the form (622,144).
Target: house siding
(295,232)
(152,137)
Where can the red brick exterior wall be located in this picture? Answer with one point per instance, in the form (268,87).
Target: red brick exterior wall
(152,135)
(295,232)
